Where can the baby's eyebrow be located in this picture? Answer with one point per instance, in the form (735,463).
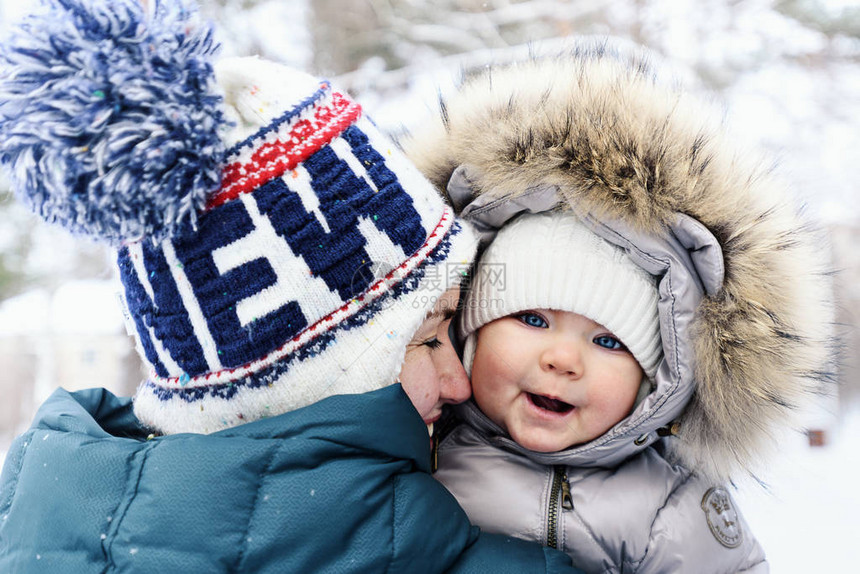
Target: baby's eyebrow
(445,313)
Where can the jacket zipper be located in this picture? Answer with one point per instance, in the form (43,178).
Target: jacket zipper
(566,498)
(560,490)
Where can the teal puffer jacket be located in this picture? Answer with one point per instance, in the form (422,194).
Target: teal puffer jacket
(340,486)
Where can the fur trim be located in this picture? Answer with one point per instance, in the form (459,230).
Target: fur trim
(618,142)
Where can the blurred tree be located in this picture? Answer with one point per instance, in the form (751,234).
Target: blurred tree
(815,14)
(397,33)
(345,35)
(14,246)
(35,255)
(273,29)
(11,281)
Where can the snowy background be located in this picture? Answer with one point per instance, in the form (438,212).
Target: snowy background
(786,71)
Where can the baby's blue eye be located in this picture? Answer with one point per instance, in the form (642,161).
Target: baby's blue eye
(533,320)
(609,342)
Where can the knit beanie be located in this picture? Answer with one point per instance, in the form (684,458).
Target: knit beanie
(553,261)
(273,246)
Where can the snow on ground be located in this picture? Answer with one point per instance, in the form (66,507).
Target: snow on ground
(808,522)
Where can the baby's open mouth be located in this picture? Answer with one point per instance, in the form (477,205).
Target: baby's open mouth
(546,403)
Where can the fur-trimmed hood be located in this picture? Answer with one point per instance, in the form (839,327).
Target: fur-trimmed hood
(746,300)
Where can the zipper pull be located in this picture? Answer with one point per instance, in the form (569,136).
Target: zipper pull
(566,498)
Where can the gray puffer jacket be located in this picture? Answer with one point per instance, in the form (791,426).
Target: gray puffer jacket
(643,515)
(745,306)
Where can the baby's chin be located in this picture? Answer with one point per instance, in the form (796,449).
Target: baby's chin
(538,440)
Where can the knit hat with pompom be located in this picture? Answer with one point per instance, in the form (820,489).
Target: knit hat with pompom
(274,247)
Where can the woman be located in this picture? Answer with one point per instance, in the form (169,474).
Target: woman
(277,256)
(341,485)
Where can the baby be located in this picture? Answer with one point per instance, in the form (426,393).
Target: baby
(583,312)
(561,348)
(656,325)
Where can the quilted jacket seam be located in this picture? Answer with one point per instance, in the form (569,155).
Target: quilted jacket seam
(244,542)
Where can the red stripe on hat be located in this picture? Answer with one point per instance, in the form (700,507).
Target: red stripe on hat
(273,159)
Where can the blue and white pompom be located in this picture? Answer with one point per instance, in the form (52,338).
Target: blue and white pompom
(110,116)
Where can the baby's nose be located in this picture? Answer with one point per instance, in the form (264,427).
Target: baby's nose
(563,357)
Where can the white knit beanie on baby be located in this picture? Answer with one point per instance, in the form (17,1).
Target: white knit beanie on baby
(553,261)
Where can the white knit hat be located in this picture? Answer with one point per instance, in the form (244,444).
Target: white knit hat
(553,261)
